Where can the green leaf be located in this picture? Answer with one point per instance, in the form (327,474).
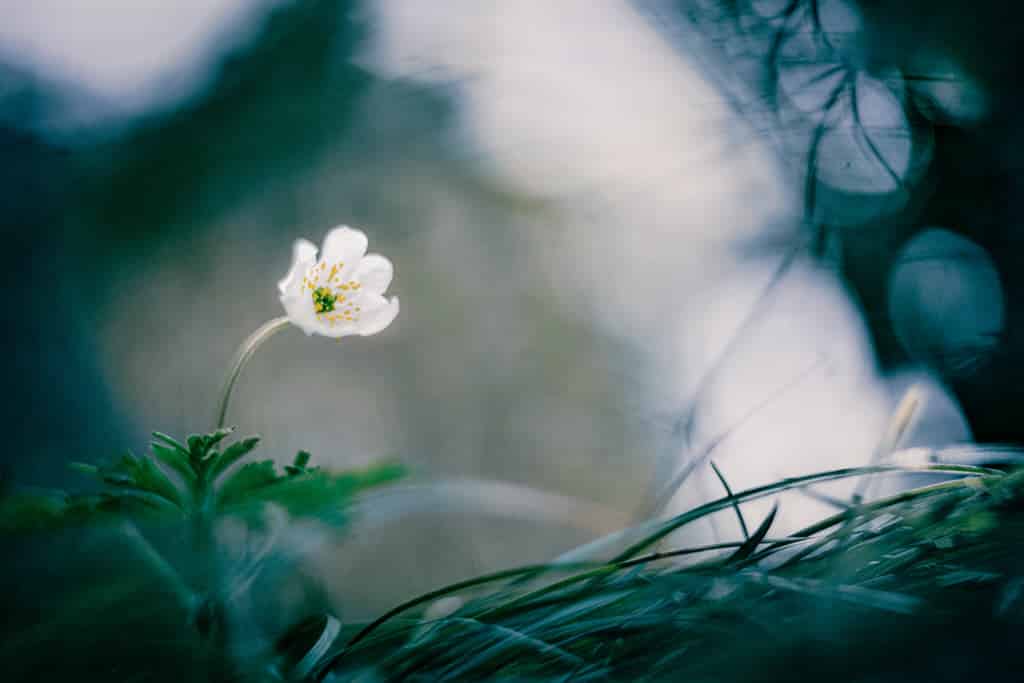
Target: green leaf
(196,448)
(131,501)
(200,447)
(298,465)
(216,437)
(792,483)
(141,474)
(246,479)
(309,492)
(302,494)
(750,545)
(171,442)
(176,460)
(502,639)
(735,505)
(27,512)
(220,462)
(23,512)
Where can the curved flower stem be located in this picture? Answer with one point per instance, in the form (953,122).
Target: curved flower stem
(242,356)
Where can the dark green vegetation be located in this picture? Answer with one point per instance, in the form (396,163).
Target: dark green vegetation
(922,586)
(194,483)
(925,585)
(150,575)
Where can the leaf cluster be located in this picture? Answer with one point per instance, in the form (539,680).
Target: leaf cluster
(204,475)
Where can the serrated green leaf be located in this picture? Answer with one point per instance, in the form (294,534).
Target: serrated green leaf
(299,465)
(200,445)
(214,438)
(245,480)
(196,447)
(176,460)
(232,454)
(50,510)
(133,502)
(144,475)
(375,475)
(171,442)
(301,494)
(309,492)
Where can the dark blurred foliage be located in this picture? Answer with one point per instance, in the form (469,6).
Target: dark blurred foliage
(971,183)
(271,113)
(974,186)
(77,216)
(55,399)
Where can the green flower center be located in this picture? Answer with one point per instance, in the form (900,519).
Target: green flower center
(324,300)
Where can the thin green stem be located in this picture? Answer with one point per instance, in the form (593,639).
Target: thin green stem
(245,352)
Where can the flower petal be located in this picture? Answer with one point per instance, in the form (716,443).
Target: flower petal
(301,311)
(375,318)
(303,255)
(374,273)
(341,328)
(344,245)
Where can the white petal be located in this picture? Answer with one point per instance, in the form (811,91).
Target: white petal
(375,319)
(301,312)
(374,273)
(340,328)
(303,256)
(344,245)
(369,302)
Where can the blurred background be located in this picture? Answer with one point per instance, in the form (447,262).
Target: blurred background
(629,236)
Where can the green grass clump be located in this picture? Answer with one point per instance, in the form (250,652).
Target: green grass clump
(924,585)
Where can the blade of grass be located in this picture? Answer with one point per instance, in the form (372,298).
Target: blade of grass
(735,505)
(788,484)
(750,545)
(510,637)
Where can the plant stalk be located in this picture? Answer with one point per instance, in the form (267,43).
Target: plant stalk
(242,356)
(182,591)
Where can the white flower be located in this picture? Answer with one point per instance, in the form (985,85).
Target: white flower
(342,293)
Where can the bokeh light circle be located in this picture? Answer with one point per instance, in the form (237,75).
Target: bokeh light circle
(946,302)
